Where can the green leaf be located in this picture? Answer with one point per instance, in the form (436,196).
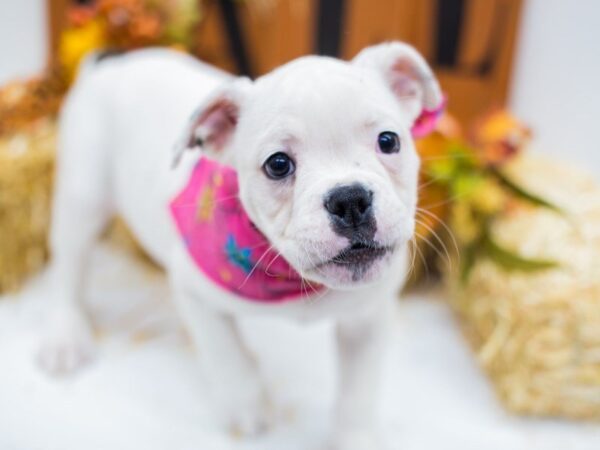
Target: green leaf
(466,183)
(441,170)
(463,155)
(522,193)
(512,261)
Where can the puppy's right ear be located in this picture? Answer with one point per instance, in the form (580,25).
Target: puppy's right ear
(212,125)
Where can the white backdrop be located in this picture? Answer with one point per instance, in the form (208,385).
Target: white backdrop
(22,38)
(556,79)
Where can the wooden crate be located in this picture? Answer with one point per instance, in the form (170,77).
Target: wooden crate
(470,43)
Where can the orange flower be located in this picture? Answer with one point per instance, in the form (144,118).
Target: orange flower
(80,15)
(499,136)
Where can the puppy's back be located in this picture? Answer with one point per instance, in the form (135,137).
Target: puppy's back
(117,131)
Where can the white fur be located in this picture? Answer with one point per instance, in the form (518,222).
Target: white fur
(118,128)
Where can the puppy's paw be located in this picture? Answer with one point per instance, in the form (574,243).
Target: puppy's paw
(245,413)
(67,343)
(357,440)
(250,422)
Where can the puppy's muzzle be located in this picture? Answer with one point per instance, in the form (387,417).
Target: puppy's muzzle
(350,210)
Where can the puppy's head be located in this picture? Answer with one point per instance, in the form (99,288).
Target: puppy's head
(325,157)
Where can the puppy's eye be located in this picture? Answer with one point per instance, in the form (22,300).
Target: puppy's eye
(388,142)
(278,166)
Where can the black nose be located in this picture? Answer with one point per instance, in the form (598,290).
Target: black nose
(350,207)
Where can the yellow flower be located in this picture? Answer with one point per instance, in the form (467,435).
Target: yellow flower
(465,227)
(77,42)
(489,198)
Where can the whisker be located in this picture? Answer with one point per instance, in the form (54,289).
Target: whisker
(444,202)
(254,267)
(422,257)
(270,264)
(446,227)
(435,248)
(429,182)
(413,258)
(440,241)
(316,267)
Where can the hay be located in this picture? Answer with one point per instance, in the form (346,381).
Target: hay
(26,171)
(26,176)
(537,335)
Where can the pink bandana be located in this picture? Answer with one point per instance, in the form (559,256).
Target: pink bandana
(226,245)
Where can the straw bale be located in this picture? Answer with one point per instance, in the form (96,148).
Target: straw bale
(537,335)
(26,172)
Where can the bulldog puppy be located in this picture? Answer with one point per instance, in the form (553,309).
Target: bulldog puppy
(297,200)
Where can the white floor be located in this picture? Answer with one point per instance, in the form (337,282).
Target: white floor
(143,391)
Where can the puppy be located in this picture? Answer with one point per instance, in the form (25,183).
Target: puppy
(296,200)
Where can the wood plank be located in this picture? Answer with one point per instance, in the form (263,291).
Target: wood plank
(56,11)
(424,32)
(476,37)
(279,32)
(506,56)
(367,23)
(471,93)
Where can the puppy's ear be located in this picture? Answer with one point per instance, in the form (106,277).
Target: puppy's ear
(407,74)
(213,124)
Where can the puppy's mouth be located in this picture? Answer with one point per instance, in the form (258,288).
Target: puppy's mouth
(363,261)
(360,255)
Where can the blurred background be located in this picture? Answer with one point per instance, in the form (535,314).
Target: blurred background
(539,57)
(498,337)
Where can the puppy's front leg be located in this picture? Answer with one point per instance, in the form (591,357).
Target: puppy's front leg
(361,342)
(235,387)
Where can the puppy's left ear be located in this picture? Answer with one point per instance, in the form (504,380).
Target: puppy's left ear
(213,124)
(407,74)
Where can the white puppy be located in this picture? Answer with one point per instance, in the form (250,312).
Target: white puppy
(327,172)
